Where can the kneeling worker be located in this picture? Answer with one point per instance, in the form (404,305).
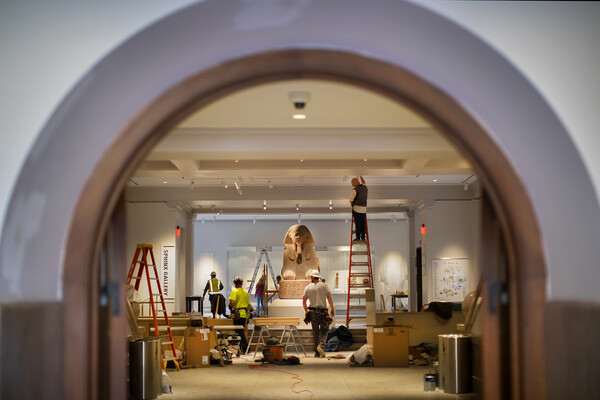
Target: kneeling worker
(239,304)
(316,293)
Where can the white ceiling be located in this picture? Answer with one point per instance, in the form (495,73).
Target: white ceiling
(250,138)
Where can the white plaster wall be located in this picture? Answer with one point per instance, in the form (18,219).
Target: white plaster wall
(555,45)
(213,240)
(453,231)
(155,224)
(46,47)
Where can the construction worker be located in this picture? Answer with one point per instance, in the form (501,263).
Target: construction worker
(317,314)
(358,201)
(217,300)
(240,307)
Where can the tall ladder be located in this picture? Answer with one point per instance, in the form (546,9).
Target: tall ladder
(360,275)
(263,251)
(140,260)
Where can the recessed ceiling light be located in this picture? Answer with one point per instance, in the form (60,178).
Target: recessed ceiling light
(435,180)
(299,116)
(164,181)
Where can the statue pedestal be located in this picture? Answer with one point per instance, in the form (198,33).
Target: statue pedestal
(292,289)
(288,308)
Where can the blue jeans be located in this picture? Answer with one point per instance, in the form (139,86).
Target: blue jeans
(260,303)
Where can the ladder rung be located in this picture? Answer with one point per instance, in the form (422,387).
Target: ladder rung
(163,343)
(358,307)
(170,358)
(360,253)
(136,277)
(161,327)
(360,263)
(360,285)
(359,274)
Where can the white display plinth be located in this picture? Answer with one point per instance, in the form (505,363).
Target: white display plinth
(288,308)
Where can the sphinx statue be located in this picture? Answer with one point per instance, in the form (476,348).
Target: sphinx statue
(299,258)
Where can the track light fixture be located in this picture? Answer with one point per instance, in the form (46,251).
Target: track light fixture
(265,205)
(330,205)
(270,184)
(238,187)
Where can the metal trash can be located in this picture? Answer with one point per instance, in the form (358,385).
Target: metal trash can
(455,363)
(145,368)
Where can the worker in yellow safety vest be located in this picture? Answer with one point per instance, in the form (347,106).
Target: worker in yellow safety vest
(239,304)
(217,300)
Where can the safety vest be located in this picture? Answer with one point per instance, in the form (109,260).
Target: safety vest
(214,285)
(241,300)
(361,196)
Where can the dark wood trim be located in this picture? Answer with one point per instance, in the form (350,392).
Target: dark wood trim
(507,194)
(30,331)
(572,332)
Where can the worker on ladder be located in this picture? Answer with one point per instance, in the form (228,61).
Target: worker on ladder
(358,201)
(217,300)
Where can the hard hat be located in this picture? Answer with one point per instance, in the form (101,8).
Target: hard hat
(315,273)
(213,273)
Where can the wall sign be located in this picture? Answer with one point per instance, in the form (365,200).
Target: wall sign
(450,278)
(166,271)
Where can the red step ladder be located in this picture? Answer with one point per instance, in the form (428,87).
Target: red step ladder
(140,260)
(360,275)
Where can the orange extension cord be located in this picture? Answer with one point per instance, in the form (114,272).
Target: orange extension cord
(294,376)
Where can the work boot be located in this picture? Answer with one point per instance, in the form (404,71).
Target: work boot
(320,351)
(317,354)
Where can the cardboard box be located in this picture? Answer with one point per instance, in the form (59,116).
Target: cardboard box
(390,345)
(197,347)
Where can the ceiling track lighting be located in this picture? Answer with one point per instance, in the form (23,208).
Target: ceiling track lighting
(330,205)
(265,205)
(238,187)
(270,184)
(297,207)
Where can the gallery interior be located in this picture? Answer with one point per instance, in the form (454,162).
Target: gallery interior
(222,188)
(204,142)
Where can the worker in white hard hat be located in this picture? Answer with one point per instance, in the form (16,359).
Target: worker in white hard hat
(217,300)
(317,295)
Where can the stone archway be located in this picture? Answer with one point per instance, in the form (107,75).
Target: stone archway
(76,211)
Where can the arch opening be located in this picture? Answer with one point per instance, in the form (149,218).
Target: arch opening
(93,212)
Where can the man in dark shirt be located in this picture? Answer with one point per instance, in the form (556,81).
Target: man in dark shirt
(358,201)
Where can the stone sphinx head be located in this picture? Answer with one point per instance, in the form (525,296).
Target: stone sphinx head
(299,256)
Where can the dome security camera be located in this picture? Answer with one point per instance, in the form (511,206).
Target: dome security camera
(299,98)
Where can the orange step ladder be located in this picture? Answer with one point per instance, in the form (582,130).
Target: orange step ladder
(140,260)
(360,275)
